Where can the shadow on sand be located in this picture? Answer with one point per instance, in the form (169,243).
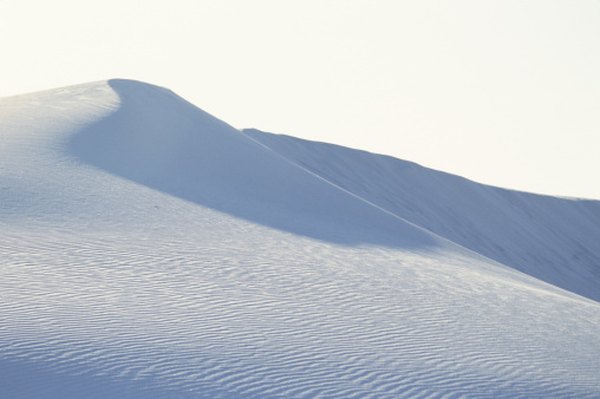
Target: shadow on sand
(157,139)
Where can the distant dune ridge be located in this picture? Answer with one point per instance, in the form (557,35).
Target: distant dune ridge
(148,249)
(554,239)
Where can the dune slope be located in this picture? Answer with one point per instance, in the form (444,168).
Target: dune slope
(553,239)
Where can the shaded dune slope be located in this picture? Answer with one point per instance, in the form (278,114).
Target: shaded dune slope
(157,139)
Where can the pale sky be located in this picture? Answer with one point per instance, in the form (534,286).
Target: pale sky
(504,92)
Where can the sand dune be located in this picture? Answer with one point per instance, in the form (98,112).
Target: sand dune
(148,249)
